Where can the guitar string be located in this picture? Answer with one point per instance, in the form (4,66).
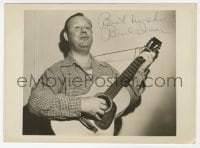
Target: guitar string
(112,89)
(134,66)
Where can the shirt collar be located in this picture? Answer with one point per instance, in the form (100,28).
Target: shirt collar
(69,61)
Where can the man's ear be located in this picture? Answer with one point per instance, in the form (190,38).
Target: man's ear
(65,36)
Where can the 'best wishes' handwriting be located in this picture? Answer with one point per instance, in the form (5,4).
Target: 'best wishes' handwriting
(110,26)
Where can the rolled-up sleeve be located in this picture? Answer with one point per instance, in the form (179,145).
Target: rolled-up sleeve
(46,99)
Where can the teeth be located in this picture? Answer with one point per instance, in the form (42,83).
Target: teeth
(84,37)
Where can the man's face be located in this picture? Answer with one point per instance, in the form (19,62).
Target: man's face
(80,34)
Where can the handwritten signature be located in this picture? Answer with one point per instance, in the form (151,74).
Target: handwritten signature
(109,25)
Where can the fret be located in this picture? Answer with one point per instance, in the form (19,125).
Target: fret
(124,79)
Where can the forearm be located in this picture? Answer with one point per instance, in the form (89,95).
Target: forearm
(134,95)
(135,100)
(135,88)
(54,106)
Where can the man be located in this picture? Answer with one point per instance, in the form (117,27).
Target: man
(57,96)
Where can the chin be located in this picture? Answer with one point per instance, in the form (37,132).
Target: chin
(84,49)
(85,46)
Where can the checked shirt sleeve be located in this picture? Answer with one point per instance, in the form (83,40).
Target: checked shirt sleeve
(46,99)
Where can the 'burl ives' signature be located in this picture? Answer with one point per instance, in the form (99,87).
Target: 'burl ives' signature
(136,25)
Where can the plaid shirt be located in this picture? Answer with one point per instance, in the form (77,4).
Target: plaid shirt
(54,96)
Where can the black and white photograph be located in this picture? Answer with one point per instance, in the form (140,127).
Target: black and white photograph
(100,73)
(100,70)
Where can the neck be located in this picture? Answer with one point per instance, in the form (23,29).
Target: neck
(82,59)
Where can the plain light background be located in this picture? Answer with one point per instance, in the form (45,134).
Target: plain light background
(185,96)
(93,145)
(156,116)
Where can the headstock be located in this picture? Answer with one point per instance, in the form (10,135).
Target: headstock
(153,45)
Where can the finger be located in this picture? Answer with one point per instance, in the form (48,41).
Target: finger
(138,79)
(100,111)
(102,101)
(146,73)
(153,54)
(102,106)
(141,90)
(148,56)
(97,117)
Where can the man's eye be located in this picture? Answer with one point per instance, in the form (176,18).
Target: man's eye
(77,27)
(88,27)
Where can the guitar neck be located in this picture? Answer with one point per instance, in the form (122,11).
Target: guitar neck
(124,79)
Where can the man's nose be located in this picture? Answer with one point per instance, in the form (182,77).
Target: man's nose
(83,29)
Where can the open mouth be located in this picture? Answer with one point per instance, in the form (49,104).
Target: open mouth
(84,38)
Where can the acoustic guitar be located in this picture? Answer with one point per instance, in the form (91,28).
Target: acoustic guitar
(116,96)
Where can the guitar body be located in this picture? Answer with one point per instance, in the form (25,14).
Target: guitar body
(76,128)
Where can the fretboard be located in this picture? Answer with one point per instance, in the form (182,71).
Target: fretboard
(124,79)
